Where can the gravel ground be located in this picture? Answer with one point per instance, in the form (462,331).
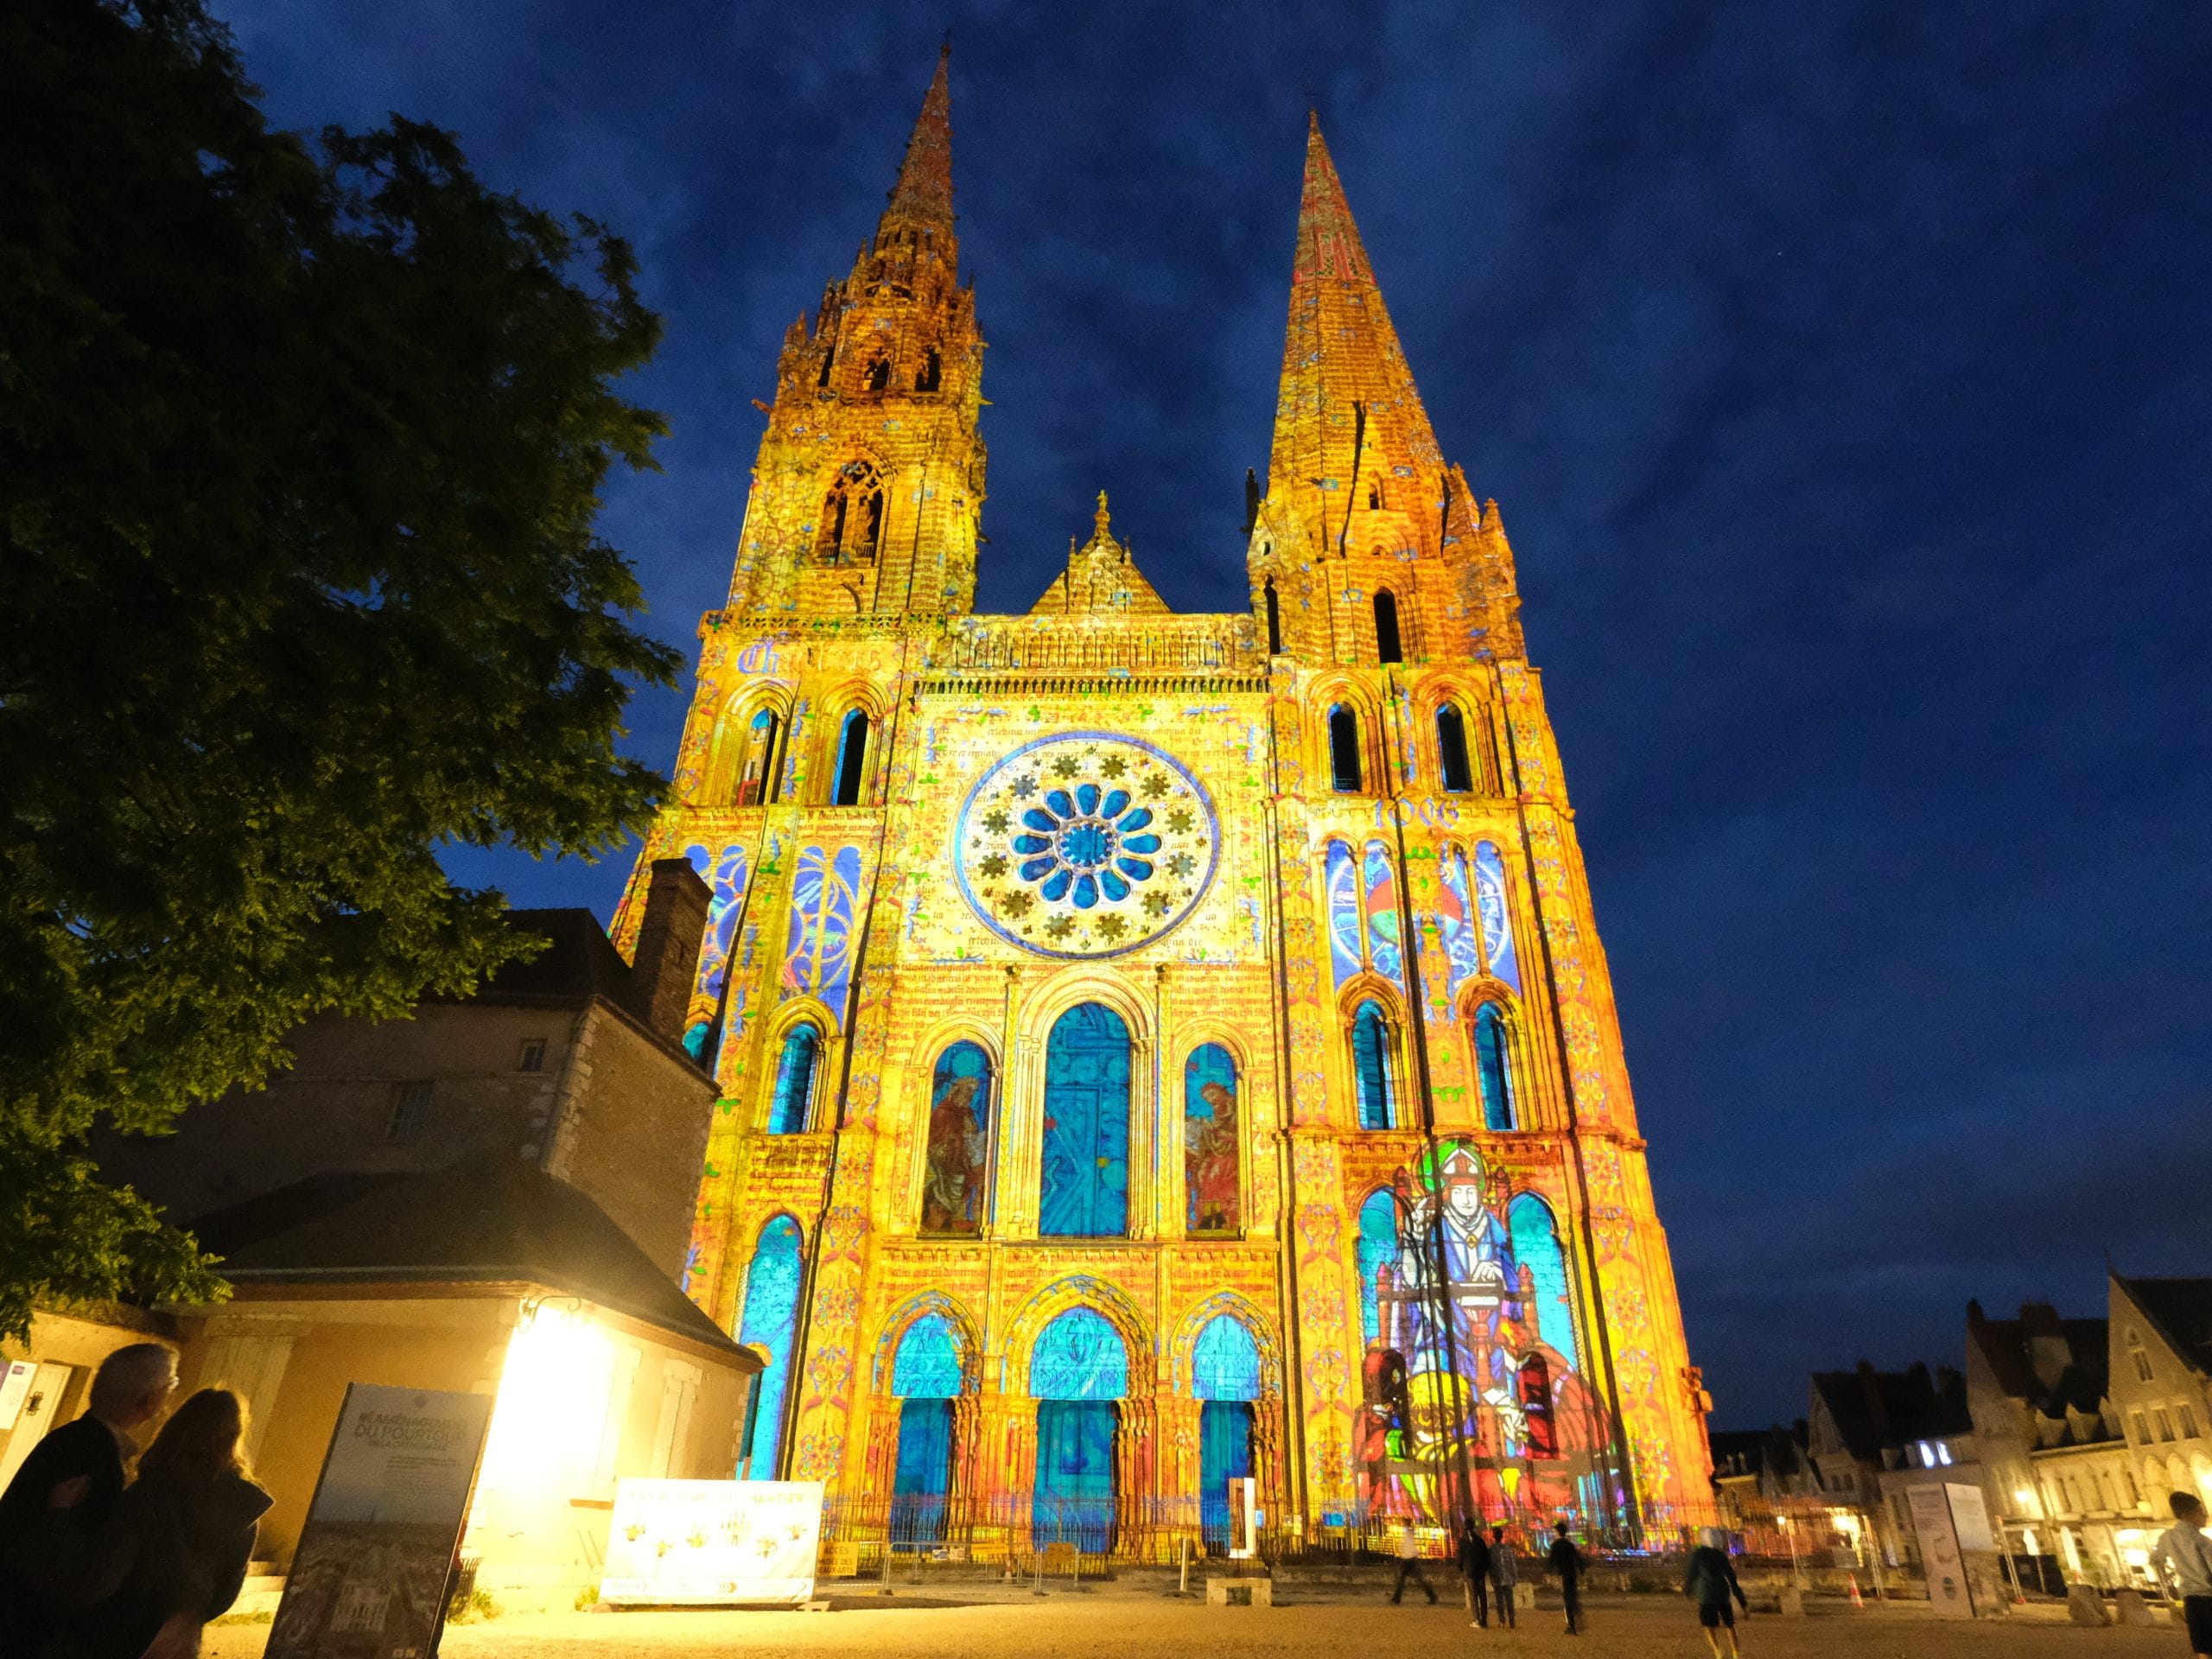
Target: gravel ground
(1076,1626)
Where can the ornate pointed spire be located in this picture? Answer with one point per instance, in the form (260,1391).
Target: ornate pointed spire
(922,200)
(1349,427)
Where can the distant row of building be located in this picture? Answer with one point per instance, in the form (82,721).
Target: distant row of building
(2076,1432)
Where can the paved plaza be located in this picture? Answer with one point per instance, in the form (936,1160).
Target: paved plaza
(1077,1625)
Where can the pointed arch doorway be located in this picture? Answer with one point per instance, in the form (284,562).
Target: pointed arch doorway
(1079,1374)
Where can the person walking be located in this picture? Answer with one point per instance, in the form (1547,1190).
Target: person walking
(1567,1560)
(1474,1569)
(1710,1581)
(2183,1559)
(1504,1574)
(174,1550)
(80,1468)
(1409,1567)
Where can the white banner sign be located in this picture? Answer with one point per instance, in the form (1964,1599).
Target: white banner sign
(705,1542)
(1947,1595)
(1970,1517)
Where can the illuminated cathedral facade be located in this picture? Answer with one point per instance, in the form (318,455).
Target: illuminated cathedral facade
(1155,1049)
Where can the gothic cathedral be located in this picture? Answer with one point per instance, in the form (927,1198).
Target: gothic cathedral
(1155,1050)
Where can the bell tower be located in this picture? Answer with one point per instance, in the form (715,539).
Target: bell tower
(869,481)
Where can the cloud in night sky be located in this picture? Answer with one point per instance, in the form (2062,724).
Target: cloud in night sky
(1844,374)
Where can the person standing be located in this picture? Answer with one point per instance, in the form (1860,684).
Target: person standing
(1474,1568)
(1710,1581)
(1504,1574)
(1567,1560)
(1409,1567)
(174,1550)
(2183,1559)
(79,1467)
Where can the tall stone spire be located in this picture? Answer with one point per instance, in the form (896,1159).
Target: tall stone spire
(922,200)
(1350,435)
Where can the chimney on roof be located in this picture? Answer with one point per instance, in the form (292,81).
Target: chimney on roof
(666,963)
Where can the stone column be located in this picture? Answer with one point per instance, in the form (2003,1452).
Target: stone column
(870,1506)
(1003,1475)
(1268,1423)
(1181,1464)
(1135,1483)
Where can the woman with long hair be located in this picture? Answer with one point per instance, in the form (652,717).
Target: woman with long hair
(173,1552)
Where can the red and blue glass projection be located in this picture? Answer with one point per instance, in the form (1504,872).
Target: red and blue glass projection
(1470,1391)
(1497,924)
(724,878)
(1085,1173)
(771,1322)
(955,1168)
(819,943)
(1346,953)
(1212,1179)
(1382,903)
(1079,1369)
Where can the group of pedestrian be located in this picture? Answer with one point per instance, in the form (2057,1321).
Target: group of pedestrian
(97,1562)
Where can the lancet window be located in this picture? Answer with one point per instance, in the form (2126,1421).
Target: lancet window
(1085,1167)
(852,759)
(851,526)
(770,1321)
(1451,750)
(793,1092)
(1212,1144)
(1274,618)
(1343,750)
(1386,648)
(930,375)
(1494,1068)
(1372,1068)
(756,777)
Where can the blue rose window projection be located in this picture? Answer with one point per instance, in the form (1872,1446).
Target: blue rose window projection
(925,1375)
(1078,845)
(1085,845)
(1225,1377)
(1077,1370)
(771,1322)
(1084,1164)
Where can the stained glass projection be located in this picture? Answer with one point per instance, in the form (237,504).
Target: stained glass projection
(1472,1360)
(925,1376)
(959,1143)
(1225,1377)
(770,1321)
(724,878)
(1497,924)
(1491,1065)
(1378,1249)
(1455,922)
(1211,1139)
(819,941)
(1085,1162)
(1382,914)
(1077,1370)
(756,783)
(1371,1068)
(794,1090)
(1342,878)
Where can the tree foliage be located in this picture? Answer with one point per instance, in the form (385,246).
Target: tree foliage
(300,449)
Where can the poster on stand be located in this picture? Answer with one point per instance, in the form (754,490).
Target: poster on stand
(712,1542)
(1940,1559)
(369,1579)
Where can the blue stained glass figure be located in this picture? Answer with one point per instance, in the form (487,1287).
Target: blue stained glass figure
(1225,1361)
(1537,1247)
(1224,1454)
(794,1081)
(1497,924)
(1378,1249)
(1491,1065)
(927,1364)
(1343,911)
(1382,914)
(924,1473)
(1370,1067)
(770,1321)
(1079,1356)
(1074,1501)
(1085,1162)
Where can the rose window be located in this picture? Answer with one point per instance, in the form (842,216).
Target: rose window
(1085,845)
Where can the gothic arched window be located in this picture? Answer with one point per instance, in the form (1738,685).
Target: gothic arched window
(958,1155)
(1225,1378)
(1492,1066)
(1213,1143)
(1386,628)
(931,374)
(1343,750)
(1378,1255)
(926,1377)
(879,374)
(1085,1165)
(1371,1068)
(770,1321)
(1274,618)
(794,1088)
(852,759)
(1451,750)
(852,515)
(756,777)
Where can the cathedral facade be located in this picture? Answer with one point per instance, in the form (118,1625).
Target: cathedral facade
(1155,1050)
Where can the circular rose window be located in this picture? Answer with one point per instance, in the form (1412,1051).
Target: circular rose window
(1085,845)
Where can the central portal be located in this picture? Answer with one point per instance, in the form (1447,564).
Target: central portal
(1077,1373)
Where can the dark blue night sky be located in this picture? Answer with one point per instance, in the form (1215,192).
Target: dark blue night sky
(1844,373)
